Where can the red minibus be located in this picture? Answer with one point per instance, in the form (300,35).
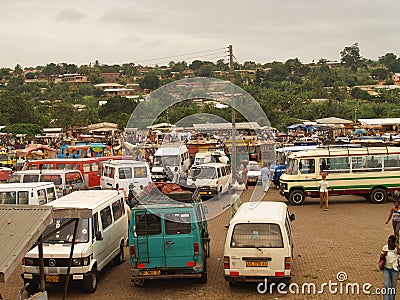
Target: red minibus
(89,167)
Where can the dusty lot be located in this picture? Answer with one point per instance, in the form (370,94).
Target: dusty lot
(347,238)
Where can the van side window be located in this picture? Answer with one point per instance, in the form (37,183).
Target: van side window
(105,215)
(140,172)
(177,223)
(307,166)
(223,170)
(117,209)
(60,166)
(95,225)
(41,196)
(51,178)
(51,194)
(86,167)
(23,197)
(8,198)
(95,166)
(73,178)
(256,235)
(147,224)
(125,173)
(30,178)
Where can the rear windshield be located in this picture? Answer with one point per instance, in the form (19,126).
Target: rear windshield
(147,224)
(257,235)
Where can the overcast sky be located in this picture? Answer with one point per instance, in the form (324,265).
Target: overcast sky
(38,32)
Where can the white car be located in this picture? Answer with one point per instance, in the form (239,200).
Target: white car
(254,172)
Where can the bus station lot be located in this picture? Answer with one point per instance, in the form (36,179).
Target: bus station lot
(336,256)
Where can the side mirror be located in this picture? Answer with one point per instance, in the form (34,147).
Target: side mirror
(98,235)
(292,217)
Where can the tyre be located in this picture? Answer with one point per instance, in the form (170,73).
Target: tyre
(378,196)
(90,282)
(32,288)
(119,258)
(203,278)
(232,284)
(297,197)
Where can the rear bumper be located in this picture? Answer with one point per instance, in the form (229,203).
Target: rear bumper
(168,273)
(256,278)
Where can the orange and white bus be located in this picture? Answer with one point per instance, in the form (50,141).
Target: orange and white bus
(89,167)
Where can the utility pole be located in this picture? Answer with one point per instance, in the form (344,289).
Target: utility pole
(231,78)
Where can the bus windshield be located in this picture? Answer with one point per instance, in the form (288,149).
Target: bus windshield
(166,160)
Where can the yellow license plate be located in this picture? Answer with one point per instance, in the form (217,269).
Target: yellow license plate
(150,273)
(203,193)
(256,264)
(52,278)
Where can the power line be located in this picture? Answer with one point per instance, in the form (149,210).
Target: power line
(182,55)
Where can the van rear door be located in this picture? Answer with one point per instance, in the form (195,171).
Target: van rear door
(258,249)
(179,239)
(148,240)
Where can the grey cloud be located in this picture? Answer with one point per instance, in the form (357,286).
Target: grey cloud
(70,15)
(126,16)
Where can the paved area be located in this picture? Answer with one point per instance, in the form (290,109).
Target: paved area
(346,239)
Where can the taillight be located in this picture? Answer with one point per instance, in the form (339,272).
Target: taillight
(196,248)
(226,262)
(133,251)
(288,263)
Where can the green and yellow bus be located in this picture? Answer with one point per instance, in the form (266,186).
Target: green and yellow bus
(372,172)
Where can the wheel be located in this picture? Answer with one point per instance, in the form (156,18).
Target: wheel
(378,196)
(297,197)
(90,282)
(32,288)
(203,278)
(119,258)
(232,284)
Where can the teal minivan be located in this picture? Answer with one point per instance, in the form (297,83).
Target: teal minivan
(169,238)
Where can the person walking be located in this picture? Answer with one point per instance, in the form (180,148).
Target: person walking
(390,271)
(265,177)
(395,213)
(323,192)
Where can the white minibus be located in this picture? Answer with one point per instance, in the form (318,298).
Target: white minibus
(98,240)
(212,179)
(123,173)
(259,243)
(167,158)
(65,181)
(371,172)
(27,193)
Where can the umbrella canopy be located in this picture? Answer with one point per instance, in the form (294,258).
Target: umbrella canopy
(359,131)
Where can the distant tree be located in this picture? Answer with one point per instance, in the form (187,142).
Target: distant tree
(30,75)
(351,57)
(358,93)
(205,71)
(150,81)
(195,65)
(380,73)
(18,70)
(387,59)
(394,66)
(29,129)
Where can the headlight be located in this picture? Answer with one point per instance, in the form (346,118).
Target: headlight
(29,262)
(76,262)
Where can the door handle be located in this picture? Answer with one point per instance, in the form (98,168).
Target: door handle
(169,243)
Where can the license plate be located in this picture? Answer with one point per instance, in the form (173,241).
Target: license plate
(256,264)
(203,193)
(52,278)
(150,273)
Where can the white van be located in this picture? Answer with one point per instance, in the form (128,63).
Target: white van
(124,173)
(98,240)
(259,243)
(167,158)
(212,179)
(65,181)
(27,193)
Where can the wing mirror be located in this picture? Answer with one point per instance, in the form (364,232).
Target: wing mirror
(292,217)
(98,235)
